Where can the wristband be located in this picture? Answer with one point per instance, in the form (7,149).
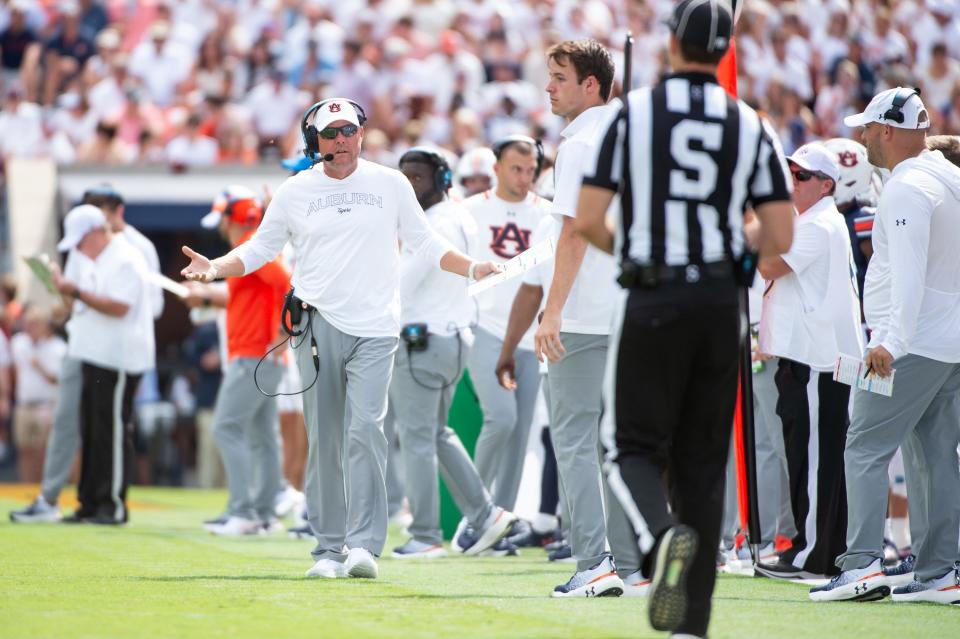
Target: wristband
(472,271)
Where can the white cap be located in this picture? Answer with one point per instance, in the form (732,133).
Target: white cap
(78,222)
(334,110)
(477,161)
(856,172)
(882,103)
(816,157)
(233,193)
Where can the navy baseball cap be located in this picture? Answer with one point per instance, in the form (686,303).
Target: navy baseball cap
(705,24)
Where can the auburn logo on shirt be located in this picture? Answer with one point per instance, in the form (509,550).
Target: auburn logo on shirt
(509,240)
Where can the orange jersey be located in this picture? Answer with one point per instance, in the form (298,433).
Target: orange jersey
(253,309)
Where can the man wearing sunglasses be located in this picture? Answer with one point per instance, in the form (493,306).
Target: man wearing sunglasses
(811,314)
(345,219)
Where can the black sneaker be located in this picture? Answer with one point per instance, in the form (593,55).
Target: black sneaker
(465,540)
(562,554)
(502,548)
(301,532)
(784,570)
(532,539)
(668,589)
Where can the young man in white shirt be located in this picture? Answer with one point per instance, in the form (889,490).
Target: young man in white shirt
(811,315)
(112,337)
(506,219)
(37,355)
(345,220)
(575,326)
(912,306)
(436,315)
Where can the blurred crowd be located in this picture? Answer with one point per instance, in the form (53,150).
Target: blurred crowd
(202,82)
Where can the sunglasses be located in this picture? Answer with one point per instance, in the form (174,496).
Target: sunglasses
(805,176)
(330,132)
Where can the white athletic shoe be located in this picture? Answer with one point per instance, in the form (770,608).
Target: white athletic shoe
(497,526)
(38,512)
(236,527)
(414,549)
(636,585)
(327,569)
(945,590)
(360,563)
(859,584)
(288,500)
(600,580)
(741,561)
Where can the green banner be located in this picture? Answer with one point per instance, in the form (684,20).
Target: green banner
(466,418)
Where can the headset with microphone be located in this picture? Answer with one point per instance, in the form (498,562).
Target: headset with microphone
(442,175)
(895,112)
(499,146)
(310,134)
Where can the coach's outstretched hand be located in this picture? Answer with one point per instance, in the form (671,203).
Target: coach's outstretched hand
(200,269)
(485,269)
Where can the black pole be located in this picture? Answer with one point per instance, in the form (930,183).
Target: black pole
(749,434)
(627,66)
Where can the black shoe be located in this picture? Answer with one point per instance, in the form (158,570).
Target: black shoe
(668,590)
(502,548)
(564,553)
(784,570)
(102,520)
(77,517)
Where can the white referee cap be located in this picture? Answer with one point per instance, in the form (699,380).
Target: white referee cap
(900,107)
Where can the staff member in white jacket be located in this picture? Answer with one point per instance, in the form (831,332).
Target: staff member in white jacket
(345,220)
(811,314)
(912,306)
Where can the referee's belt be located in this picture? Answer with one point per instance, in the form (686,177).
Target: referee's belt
(634,275)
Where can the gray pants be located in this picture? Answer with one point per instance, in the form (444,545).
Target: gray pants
(776,517)
(926,403)
(347,450)
(421,405)
(502,445)
(576,403)
(245,429)
(65,437)
(394,470)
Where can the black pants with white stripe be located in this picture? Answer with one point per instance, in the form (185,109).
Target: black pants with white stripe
(815,416)
(676,386)
(106,406)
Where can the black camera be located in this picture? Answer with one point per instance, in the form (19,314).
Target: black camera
(414,336)
(292,314)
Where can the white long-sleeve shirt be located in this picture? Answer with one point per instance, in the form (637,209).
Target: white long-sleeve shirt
(912,290)
(429,295)
(345,235)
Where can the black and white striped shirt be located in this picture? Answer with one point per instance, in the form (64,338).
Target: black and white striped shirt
(697,157)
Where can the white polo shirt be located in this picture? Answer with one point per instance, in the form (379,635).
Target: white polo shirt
(140,242)
(346,235)
(811,315)
(911,295)
(433,296)
(505,229)
(121,343)
(590,305)
(32,386)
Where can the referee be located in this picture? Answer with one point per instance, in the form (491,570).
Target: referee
(691,159)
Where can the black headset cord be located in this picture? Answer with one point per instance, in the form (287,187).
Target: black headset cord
(289,340)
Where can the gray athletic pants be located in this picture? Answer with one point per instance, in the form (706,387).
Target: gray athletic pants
(776,517)
(347,450)
(245,429)
(421,401)
(65,437)
(925,402)
(576,403)
(394,471)
(502,446)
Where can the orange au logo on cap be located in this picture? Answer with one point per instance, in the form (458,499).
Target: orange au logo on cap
(335,107)
(847,158)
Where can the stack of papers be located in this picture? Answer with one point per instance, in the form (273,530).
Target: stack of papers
(853,372)
(517,266)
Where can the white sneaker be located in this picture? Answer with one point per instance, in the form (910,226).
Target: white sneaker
(414,549)
(945,590)
(497,526)
(741,561)
(859,584)
(636,585)
(599,581)
(327,569)
(360,563)
(39,512)
(288,500)
(236,527)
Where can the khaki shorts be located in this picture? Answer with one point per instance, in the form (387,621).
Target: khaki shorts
(32,424)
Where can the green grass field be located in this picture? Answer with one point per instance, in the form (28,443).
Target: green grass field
(162,576)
